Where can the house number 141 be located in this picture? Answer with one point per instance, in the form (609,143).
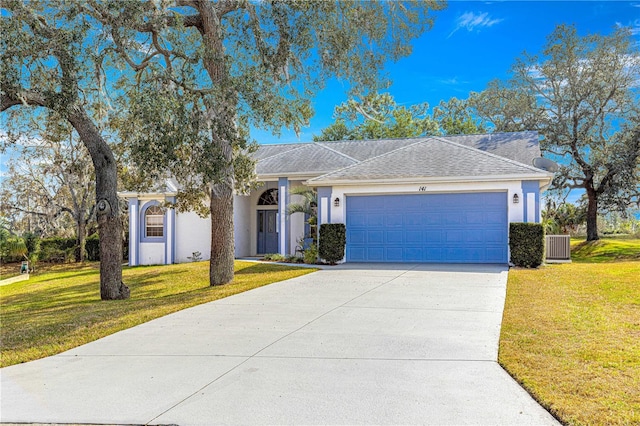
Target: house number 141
(422,188)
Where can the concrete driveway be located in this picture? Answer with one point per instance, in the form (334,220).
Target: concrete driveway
(353,344)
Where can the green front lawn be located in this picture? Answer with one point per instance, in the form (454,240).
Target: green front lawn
(61,309)
(605,250)
(571,334)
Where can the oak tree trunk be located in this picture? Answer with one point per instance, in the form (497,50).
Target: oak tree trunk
(592,214)
(222,114)
(81,230)
(221,265)
(107,207)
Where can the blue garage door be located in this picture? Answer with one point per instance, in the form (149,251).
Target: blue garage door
(438,228)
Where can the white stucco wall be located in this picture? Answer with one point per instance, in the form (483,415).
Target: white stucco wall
(151,253)
(297,224)
(193,233)
(242,225)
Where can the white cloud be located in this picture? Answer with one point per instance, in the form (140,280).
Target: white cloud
(453,81)
(475,21)
(634,26)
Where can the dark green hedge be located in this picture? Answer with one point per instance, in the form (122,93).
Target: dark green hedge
(333,239)
(526,241)
(57,249)
(92,247)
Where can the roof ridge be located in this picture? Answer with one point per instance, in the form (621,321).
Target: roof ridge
(322,144)
(300,145)
(499,157)
(370,159)
(489,134)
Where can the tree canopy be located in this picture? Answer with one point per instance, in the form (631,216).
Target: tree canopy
(205,72)
(378,116)
(582,95)
(48,66)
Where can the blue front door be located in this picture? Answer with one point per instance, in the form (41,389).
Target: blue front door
(267,231)
(433,228)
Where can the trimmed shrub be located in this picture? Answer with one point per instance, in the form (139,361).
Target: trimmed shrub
(275,257)
(310,255)
(92,247)
(57,249)
(333,239)
(526,241)
(33,243)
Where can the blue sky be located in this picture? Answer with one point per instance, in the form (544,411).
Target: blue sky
(470,44)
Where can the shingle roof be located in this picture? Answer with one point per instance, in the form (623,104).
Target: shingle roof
(265,151)
(363,150)
(308,159)
(320,158)
(429,158)
(519,146)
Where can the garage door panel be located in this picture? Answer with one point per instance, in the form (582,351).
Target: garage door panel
(474,236)
(375,237)
(474,217)
(393,237)
(414,219)
(494,236)
(433,237)
(434,218)
(394,254)
(453,218)
(375,219)
(413,237)
(358,237)
(495,217)
(393,220)
(357,219)
(460,227)
(433,255)
(413,254)
(375,254)
(454,236)
(496,254)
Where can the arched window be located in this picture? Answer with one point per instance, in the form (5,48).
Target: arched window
(154,222)
(269,198)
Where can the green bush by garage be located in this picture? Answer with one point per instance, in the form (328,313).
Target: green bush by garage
(526,241)
(333,240)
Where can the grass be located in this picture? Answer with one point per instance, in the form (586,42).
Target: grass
(61,309)
(605,250)
(571,334)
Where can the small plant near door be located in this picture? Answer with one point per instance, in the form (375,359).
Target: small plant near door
(196,256)
(310,254)
(275,257)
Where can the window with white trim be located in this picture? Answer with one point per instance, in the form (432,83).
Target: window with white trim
(154,222)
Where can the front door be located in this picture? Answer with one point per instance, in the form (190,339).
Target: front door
(267,232)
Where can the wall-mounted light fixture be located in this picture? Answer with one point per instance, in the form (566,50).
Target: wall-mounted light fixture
(336,202)
(516,199)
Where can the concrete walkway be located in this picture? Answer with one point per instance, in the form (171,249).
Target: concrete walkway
(354,344)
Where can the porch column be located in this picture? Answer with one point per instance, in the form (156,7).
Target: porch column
(169,255)
(531,201)
(133,231)
(324,205)
(284,226)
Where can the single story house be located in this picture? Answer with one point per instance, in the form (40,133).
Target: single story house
(429,199)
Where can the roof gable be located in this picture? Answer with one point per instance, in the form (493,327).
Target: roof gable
(365,149)
(522,147)
(307,159)
(429,158)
